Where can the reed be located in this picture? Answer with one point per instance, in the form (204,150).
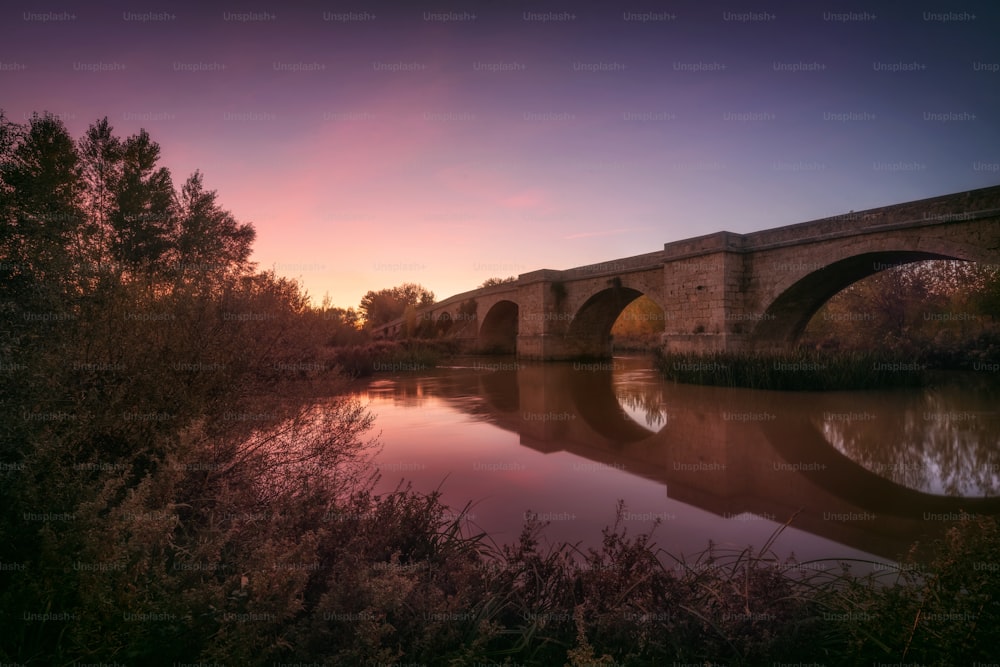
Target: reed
(799,370)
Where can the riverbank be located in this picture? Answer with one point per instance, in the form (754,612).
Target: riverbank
(798,370)
(389,356)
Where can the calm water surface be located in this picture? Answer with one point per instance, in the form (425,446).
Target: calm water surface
(863,473)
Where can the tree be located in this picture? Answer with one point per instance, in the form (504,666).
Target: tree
(209,239)
(410,317)
(144,220)
(41,174)
(988,297)
(10,134)
(101,165)
(467,310)
(909,307)
(386,305)
(342,326)
(640,324)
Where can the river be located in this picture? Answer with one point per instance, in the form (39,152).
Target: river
(861,474)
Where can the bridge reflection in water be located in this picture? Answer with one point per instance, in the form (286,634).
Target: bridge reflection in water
(875,471)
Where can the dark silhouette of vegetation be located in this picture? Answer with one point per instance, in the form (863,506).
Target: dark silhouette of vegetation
(467,309)
(141,359)
(558,291)
(493,282)
(799,370)
(943,314)
(386,305)
(342,324)
(389,356)
(173,491)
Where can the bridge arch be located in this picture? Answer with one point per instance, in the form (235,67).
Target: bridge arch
(589,332)
(498,332)
(785,318)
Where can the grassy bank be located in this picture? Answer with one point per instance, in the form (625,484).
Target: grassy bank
(390,356)
(401,579)
(793,371)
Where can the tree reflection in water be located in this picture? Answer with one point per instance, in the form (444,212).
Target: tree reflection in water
(645,401)
(940,440)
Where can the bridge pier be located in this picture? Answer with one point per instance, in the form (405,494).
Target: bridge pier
(703,343)
(556,347)
(532,346)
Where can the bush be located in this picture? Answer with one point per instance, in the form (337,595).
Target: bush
(388,356)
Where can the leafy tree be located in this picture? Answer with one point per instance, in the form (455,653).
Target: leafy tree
(209,240)
(101,166)
(41,234)
(988,298)
(341,325)
(9,137)
(144,219)
(386,305)
(467,309)
(642,316)
(923,307)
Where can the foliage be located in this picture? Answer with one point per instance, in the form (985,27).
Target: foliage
(386,305)
(134,441)
(468,308)
(559,291)
(941,313)
(800,370)
(493,282)
(209,239)
(389,356)
(342,326)
(943,611)
(639,325)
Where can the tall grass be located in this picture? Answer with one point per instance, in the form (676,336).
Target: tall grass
(800,370)
(457,598)
(389,356)
(397,578)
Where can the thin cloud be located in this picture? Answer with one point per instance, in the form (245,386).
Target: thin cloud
(606,232)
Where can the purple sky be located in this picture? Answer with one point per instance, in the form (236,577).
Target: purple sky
(444,144)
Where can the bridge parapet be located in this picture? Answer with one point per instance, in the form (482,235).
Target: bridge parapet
(540,275)
(959,207)
(703,245)
(866,222)
(614,267)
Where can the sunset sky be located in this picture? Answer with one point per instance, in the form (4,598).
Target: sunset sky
(375,143)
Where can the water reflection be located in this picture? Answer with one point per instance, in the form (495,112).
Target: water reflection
(644,403)
(872,470)
(941,440)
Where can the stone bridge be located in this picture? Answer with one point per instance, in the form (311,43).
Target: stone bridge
(719,292)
